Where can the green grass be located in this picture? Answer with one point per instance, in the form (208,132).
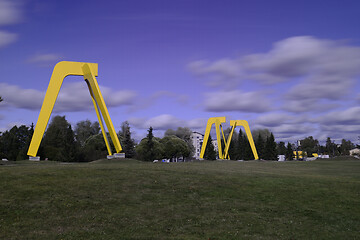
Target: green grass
(128,199)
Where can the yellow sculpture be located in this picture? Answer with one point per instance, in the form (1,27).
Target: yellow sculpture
(233,123)
(61,70)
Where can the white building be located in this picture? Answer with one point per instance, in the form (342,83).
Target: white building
(197,140)
(355,151)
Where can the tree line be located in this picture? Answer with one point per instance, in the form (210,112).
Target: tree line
(85,143)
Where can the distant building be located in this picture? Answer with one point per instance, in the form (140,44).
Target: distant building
(355,151)
(197,141)
(215,143)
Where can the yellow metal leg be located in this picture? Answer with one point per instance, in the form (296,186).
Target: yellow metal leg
(100,101)
(103,130)
(61,70)
(233,123)
(245,124)
(217,121)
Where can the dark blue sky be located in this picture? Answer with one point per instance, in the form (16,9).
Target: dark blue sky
(292,67)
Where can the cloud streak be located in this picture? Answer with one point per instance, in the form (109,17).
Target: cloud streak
(7,38)
(167,121)
(223,101)
(73,97)
(10,13)
(45,60)
(319,71)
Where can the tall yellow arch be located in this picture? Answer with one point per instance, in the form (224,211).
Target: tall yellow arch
(233,123)
(61,70)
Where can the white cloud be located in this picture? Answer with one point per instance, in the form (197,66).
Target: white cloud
(10,11)
(275,119)
(161,122)
(73,97)
(15,96)
(236,100)
(7,38)
(306,105)
(350,116)
(44,60)
(146,102)
(167,121)
(223,72)
(317,70)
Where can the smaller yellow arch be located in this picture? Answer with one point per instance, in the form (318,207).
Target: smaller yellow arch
(233,123)
(61,70)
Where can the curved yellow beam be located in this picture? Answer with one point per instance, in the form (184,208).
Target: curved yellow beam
(245,124)
(88,75)
(217,121)
(61,70)
(233,123)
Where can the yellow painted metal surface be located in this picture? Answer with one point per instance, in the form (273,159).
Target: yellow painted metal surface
(98,114)
(61,70)
(88,75)
(246,126)
(233,123)
(217,121)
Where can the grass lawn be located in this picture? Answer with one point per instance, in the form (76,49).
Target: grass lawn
(128,199)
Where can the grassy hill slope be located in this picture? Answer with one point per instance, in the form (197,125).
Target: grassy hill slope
(128,199)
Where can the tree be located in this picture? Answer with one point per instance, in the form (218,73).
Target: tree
(127,143)
(183,133)
(84,130)
(94,148)
(264,133)
(241,145)
(309,146)
(330,147)
(59,141)
(14,143)
(233,147)
(174,147)
(346,146)
(289,155)
(270,148)
(149,148)
(260,146)
(281,149)
(210,153)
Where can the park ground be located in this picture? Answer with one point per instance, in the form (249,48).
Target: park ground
(129,199)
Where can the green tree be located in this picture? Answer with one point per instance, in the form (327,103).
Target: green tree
(289,152)
(346,146)
(281,149)
(210,153)
(14,143)
(149,148)
(59,141)
(263,132)
(94,148)
(241,145)
(330,147)
(260,146)
(183,133)
(270,148)
(175,147)
(84,130)
(233,148)
(127,143)
(309,146)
